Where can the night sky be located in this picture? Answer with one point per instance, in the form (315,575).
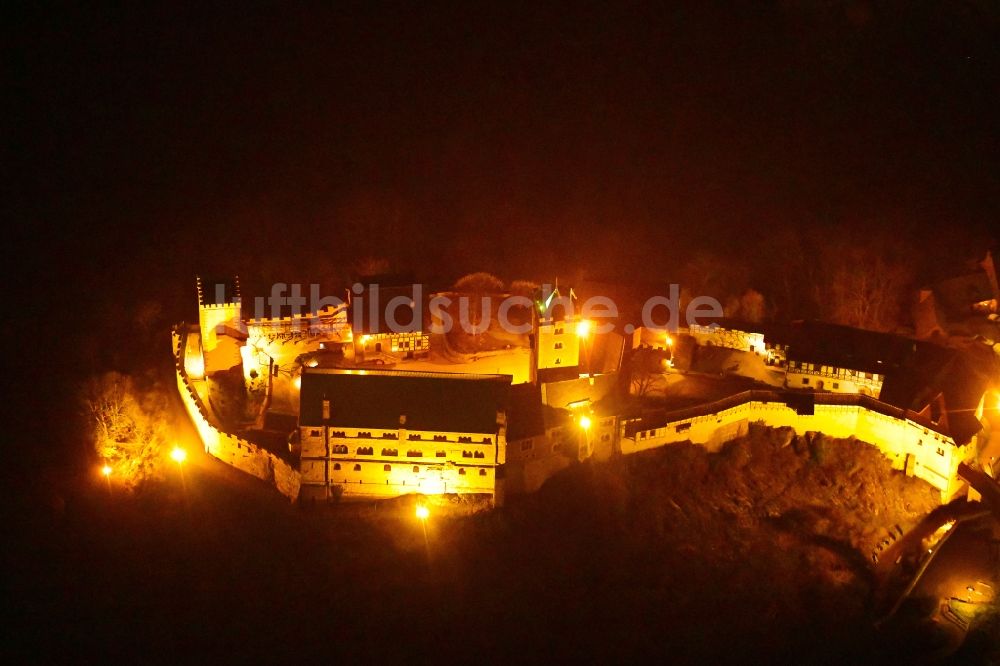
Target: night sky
(146,146)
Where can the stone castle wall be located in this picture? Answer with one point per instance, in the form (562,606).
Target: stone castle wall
(227,447)
(909,445)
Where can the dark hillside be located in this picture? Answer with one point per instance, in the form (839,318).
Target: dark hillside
(761,549)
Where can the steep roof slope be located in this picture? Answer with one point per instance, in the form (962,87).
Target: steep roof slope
(380,399)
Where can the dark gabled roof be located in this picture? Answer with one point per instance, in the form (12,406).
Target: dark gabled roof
(528,417)
(960,293)
(929,319)
(842,346)
(932,372)
(602,353)
(917,379)
(579,389)
(430,401)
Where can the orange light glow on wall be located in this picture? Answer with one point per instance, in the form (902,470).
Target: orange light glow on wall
(583,328)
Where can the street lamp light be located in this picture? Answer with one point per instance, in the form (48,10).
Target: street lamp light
(106,470)
(179,455)
(583,332)
(585,422)
(423,513)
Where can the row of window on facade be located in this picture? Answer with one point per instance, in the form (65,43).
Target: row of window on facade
(342,449)
(529,444)
(940,451)
(388,468)
(413,437)
(805,382)
(417,343)
(831,370)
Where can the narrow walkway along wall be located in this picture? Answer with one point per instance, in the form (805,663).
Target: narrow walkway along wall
(231,449)
(909,445)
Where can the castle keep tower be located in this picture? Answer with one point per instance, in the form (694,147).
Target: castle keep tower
(555,344)
(219,317)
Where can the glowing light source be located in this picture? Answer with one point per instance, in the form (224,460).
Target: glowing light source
(364,340)
(106,470)
(194,363)
(423,513)
(583,328)
(297,382)
(585,422)
(670,340)
(179,455)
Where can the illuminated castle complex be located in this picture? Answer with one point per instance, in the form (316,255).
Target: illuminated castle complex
(341,406)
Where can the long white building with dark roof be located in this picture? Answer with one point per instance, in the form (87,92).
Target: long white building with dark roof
(385,433)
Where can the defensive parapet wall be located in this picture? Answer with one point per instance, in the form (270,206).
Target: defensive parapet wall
(227,447)
(910,444)
(329,313)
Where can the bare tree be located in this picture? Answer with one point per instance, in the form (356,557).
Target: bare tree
(525,288)
(867,289)
(479,283)
(795,274)
(476,286)
(752,305)
(645,368)
(370,265)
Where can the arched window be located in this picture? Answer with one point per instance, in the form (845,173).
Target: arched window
(416,469)
(482,472)
(336,466)
(387,468)
(357,467)
(461,472)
